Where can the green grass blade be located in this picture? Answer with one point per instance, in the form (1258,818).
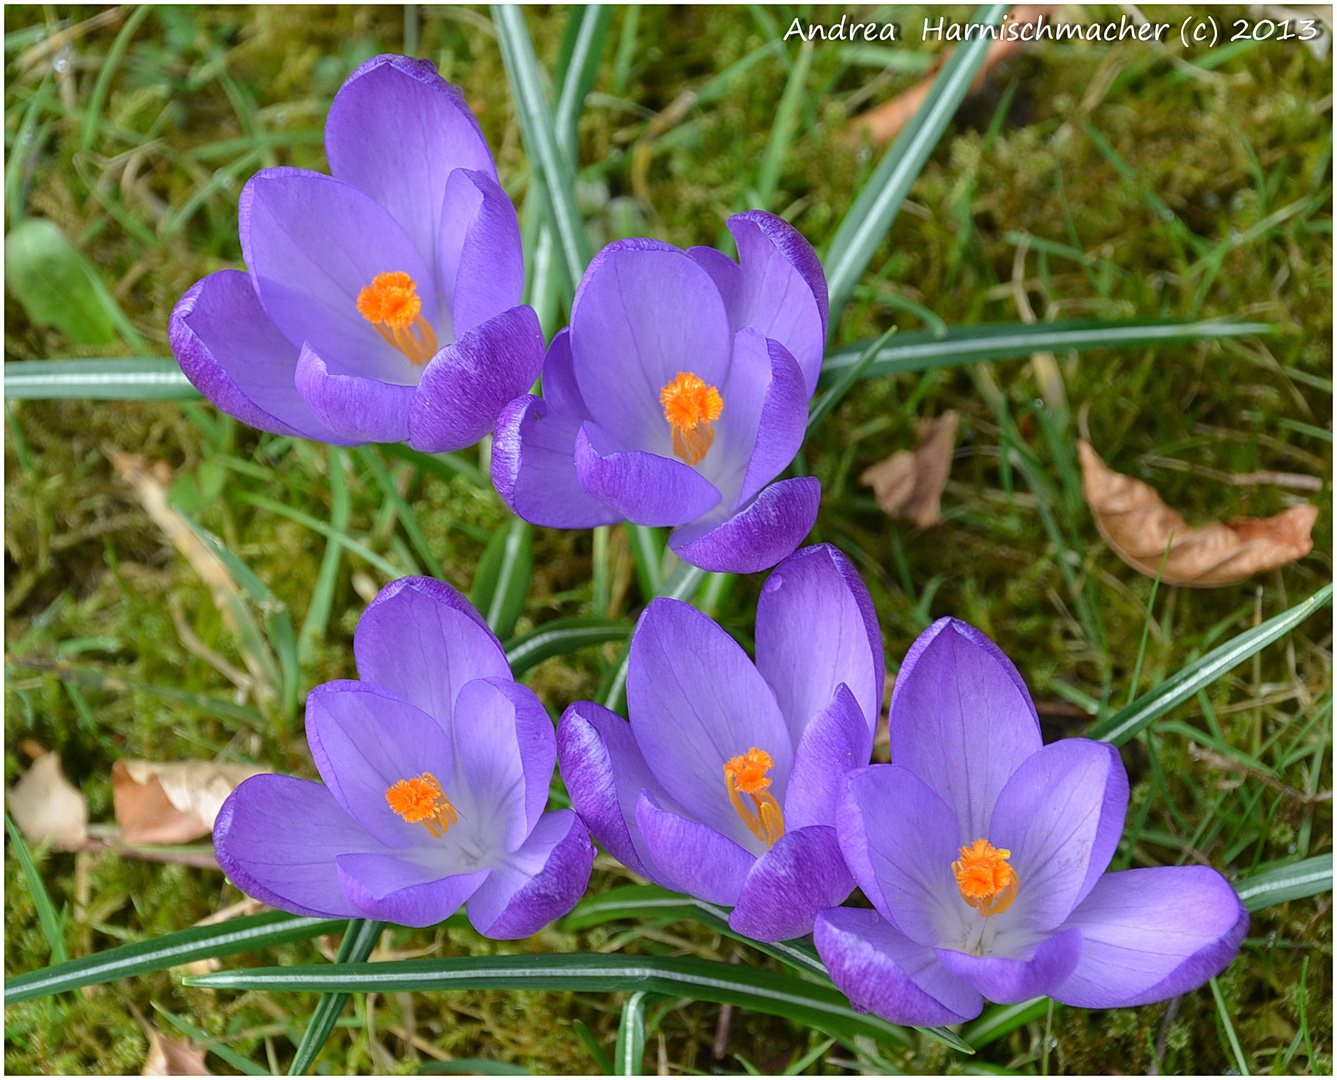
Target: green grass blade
(629,1057)
(446,465)
(1223,1013)
(866,222)
(1003,1020)
(1308,877)
(501,582)
(647,552)
(197,943)
(112,378)
(317,619)
(360,938)
(600,1056)
(241,1064)
(473,1066)
(1126,723)
(106,71)
(782,130)
(52,923)
(560,637)
(844,381)
(578,78)
(407,517)
(361,550)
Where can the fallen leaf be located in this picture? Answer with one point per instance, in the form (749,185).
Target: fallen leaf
(172,1057)
(46,806)
(172,803)
(1139,526)
(910,482)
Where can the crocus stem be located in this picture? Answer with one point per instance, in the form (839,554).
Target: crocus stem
(359,940)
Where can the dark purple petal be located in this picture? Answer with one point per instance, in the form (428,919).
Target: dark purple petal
(396,890)
(698,858)
(961,720)
(759,535)
(357,410)
(364,740)
(480,254)
(1008,980)
(644,312)
(816,629)
(1151,934)
(836,741)
(695,701)
(276,838)
(467,383)
(883,972)
(640,486)
(539,882)
(1061,815)
(397,130)
(422,640)
(899,841)
(802,874)
(312,243)
(234,355)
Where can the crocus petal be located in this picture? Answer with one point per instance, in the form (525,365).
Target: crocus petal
(396,890)
(695,701)
(397,130)
(640,486)
(816,629)
(466,384)
(705,863)
(802,874)
(758,536)
(312,243)
(643,312)
(539,882)
(835,742)
(480,254)
(357,410)
(883,972)
(1061,815)
(234,355)
(899,841)
(1151,934)
(961,720)
(1007,980)
(364,740)
(276,838)
(422,640)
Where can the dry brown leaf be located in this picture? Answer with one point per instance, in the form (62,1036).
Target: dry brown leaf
(46,806)
(172,803)
(172,1057)
(1138,526)
(909,483)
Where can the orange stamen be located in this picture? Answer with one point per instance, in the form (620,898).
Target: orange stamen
(421,801)
(986,880)
(690,407)
(391,304)
(746,774)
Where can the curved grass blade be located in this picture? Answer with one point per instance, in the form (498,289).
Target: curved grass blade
(559,637)
(141,378)
(197,943)
(501,582)
(822,406)
(1308,877)
(407,517)
(445,465)
(681,585)
(1126,723)
(53,924)
(629,1057)
(359,940)
(578,76)
(1003,1020)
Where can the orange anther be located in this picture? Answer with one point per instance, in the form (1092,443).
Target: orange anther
(421,800)
(986,880)
(392,305)
(746,774)
(690,407)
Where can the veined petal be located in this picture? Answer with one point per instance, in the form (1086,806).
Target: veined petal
(1008,980)
(756,537)
(386,887)
(481,260)
(802,874)
(702,861)
(357,410)
(835,742)
(539,882)
(642,487)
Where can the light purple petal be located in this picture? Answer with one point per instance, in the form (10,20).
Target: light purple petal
(1151,934)
(802,874)
(422,640)
(783,422)
(357,410)
(640,486)
(364,740)
(480,254)
(644,312)
(883,972)
(835,742)
(538,883)
(816,629)
(1008,980)
(758,536)
(961,720)
(695,701)
(396,890)
(276,838)
(1061,815)
(466,384)
(703,862)
(397,130)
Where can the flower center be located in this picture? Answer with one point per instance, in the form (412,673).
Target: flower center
(746,775)
(690,406)
(987,882)
(391,304)
(421,801)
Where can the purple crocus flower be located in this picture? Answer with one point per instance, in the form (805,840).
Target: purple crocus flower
(678,393)
(436,767)
(724,785)
(984,855)
(380,303)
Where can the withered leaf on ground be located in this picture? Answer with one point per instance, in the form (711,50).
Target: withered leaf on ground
(1138,525)
(909,483)
(46,806)
(172,803)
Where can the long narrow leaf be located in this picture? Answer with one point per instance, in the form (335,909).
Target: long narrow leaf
(630,1052)
(139,378)
(360,938)
(562,636)
(579,76)
(1002,1020)
(501,581)
(1308,877)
